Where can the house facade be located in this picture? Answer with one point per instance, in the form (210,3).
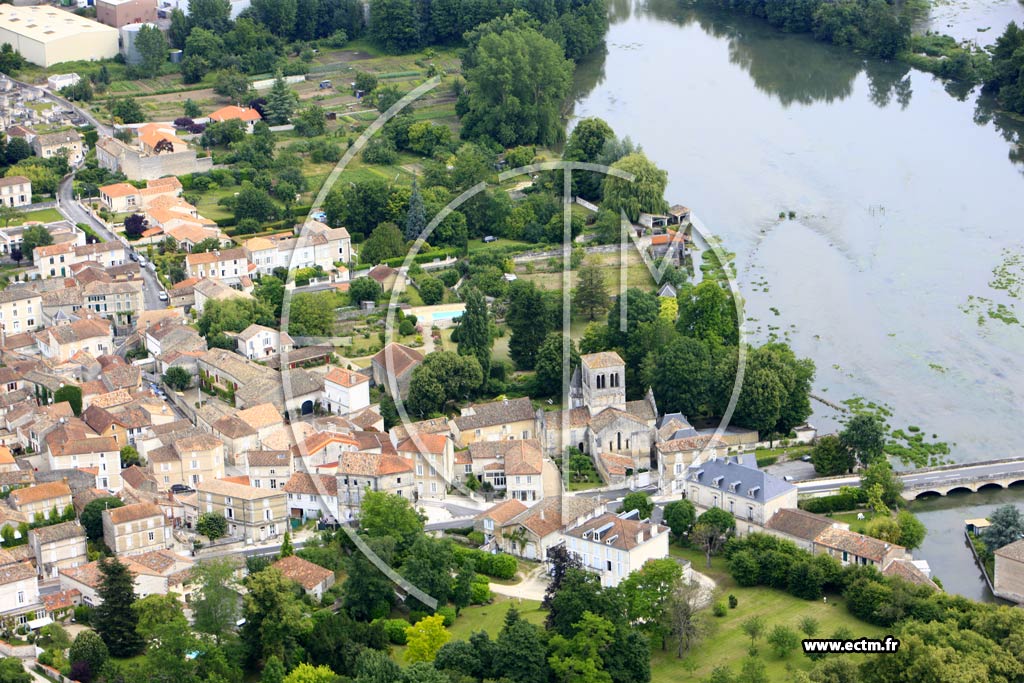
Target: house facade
(15,191)
(752,496)
(58,546)
(613,545)
(135,529)
(345,391)
(253,514)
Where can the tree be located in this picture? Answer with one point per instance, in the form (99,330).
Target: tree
(682,619)
(359,206)
(270,290)
(385,242)
(311,314)
(233,85)
(177,378)
(646,193)
(394,25)
(883,528)
(783,640)
(365,81)
(681,373)
(212,525)
(474,330)
(585,143)
(385,514)
(864,436)
(516,82)
(129,456)
(34,236)
(152,47)
(254,203)
(12,671)
(707,312)
(311,121)
(809,626)
(364,289)
(127,110)
(640,501)
(286,546)
(135,225)
(549,364)
(92,515)
(880,474)
(281,102)
(416,216)
(88,647)
(215,602)
(520,653)
(648,592)
(192,109)
(113,619)
(1006,526)
(425,638)
(275,621)
(711,531)
(156,611)
(591,295)
(560,562)
(71,395)
(831,457)
(754,628)
(579,659)
(277,15)
(526,318)
(443,376)
(431,290)
(307,673)
(752,671)
(369,593)
(233,315)
(679,516)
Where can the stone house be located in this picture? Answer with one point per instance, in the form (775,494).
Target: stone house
(253,514)
(752,496)
(392,368)
(135,529)
(314,579)
(432,456)
(613,545)
(58,546)
(495,421)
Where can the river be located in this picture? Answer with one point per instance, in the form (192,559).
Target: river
(907,194)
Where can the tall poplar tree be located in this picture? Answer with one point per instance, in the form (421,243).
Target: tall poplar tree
(113,619)
(475,331)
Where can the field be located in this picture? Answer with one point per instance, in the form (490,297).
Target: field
(728,645)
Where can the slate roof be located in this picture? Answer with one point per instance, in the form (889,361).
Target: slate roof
(753,484)
(496,413)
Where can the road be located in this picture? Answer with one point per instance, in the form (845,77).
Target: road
(74,212)
(922,479)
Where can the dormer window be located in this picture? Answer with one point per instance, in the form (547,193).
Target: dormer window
(717,481)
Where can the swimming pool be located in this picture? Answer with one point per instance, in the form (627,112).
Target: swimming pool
(445,315)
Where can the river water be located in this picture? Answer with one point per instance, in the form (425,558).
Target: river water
(907,195)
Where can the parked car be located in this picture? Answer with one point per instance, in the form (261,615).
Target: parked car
(806,458)
(490,238)
(162,296)
(143,262)
(181,488)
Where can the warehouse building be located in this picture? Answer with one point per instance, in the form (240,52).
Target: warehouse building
(46,35)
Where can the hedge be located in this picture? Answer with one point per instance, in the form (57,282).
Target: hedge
(424,257)
(394,630)
(767,460)
(839,502)
(500,566)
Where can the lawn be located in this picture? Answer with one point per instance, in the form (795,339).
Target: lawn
(42,215)
(478,246)
(728,645)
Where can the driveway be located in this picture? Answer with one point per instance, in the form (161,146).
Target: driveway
(530,588)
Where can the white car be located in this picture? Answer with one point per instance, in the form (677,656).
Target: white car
(162,296)
(143,262)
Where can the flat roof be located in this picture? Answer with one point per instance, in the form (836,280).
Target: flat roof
(46,24)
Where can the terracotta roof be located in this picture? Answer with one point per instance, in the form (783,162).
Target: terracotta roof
(615,464)
(134,512)
(397,359)
(604,359)
(553,512)
(518,456)
(262,415)
(345,378)
(502,512)
(225,487)
(161,561)
(436,425)
(268,458)
(425,443)
(13,180)
(373,464)
(857,544)
(906,570)
(233,112)
(798,523)
(40,492)
(119,190)
(496,413)
(301,482)
(61,600)
(58,532)
(303,572)
(616,532)
(136,477)
(1013,551)
(19,571)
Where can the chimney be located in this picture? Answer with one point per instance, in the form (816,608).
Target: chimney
(542,515)
(640,536)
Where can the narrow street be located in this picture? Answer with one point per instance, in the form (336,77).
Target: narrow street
(74,212)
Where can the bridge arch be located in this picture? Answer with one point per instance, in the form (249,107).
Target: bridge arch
(961,489)
(1019,482)
(928,494)
(990,486)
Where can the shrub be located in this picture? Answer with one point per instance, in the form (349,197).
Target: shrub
(448,613)
(394,630)
(477,537)
(733,601)
(480,592)
(82,614)
(767,460)
(839,502)
(720,610)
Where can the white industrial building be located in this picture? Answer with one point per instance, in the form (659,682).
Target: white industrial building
(46,35)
